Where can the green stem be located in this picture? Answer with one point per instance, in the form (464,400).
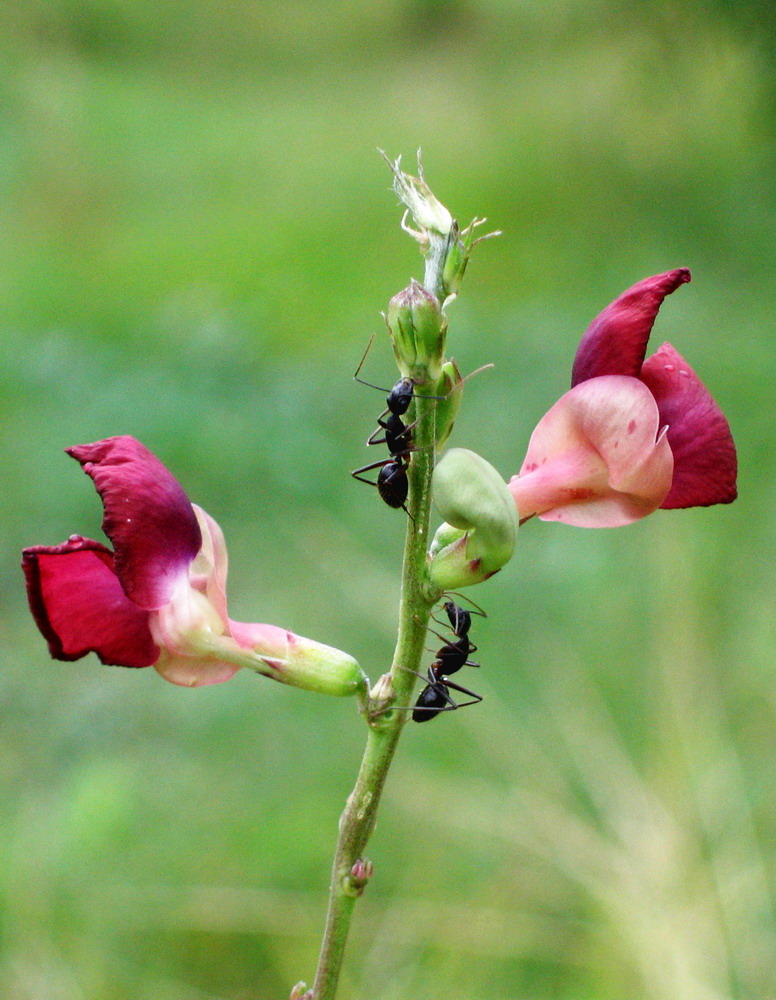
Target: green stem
(358,819)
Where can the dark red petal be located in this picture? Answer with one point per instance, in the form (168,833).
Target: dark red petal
(79,606)
(616,341)
(705,463)
(148,517)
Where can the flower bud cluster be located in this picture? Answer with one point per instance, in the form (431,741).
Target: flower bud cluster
(417,327)
(478,536)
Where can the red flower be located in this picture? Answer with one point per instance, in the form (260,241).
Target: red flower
(631,435)
(159,598)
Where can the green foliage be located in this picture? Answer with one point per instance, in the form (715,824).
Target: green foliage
(198,236)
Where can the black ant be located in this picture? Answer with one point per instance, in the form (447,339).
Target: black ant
(392,484)
(435,696)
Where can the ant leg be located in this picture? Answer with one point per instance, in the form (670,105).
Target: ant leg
(406,708)
(382,425)
(356,474)
(440,637)
(424,677)
(451,707)
(466,663)
(463,690)
(440,687)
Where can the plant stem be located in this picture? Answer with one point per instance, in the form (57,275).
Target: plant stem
(358,819)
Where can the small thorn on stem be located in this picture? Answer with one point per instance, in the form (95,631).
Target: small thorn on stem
(300,992)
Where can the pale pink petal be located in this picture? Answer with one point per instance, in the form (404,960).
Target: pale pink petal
(209,569)
(596,459)
(80,607)
(190,671)
(705,463)
(148,517)
(616,341)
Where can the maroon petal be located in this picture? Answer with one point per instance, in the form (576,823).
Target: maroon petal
(148,517)
(79,606)
(616,341)
(705,463)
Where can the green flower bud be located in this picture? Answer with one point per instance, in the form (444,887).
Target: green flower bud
(316,667)
(455,263)
(417,328)
(457,256)
(450,390)
(479,535)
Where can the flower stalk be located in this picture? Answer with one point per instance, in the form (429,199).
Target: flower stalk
(418,596)
(385,726)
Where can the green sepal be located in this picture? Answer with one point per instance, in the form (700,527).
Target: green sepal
(450,390)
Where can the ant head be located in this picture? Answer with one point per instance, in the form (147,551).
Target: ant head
(460,619)
(400,396)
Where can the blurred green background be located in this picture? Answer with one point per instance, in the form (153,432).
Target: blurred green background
(197,239)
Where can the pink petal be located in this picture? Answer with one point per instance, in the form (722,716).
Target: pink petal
(705,463)
(269,641)
(148,517)
(80,607)
(616,341)
(596,459)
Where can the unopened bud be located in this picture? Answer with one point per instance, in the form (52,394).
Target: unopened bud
(479,535)
(417,328)
(456,259)
(360,873)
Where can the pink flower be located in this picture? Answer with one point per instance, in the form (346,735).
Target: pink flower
(159,598)
(631,435)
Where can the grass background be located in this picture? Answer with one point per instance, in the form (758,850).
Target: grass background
(198,237)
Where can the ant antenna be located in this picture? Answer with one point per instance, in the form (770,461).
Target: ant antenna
(361,365)
(465,597)
(381,388)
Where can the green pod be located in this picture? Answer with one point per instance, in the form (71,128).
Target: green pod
(480,532)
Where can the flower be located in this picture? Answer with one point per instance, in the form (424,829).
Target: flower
(427,210)
(159,598)
(631,435)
